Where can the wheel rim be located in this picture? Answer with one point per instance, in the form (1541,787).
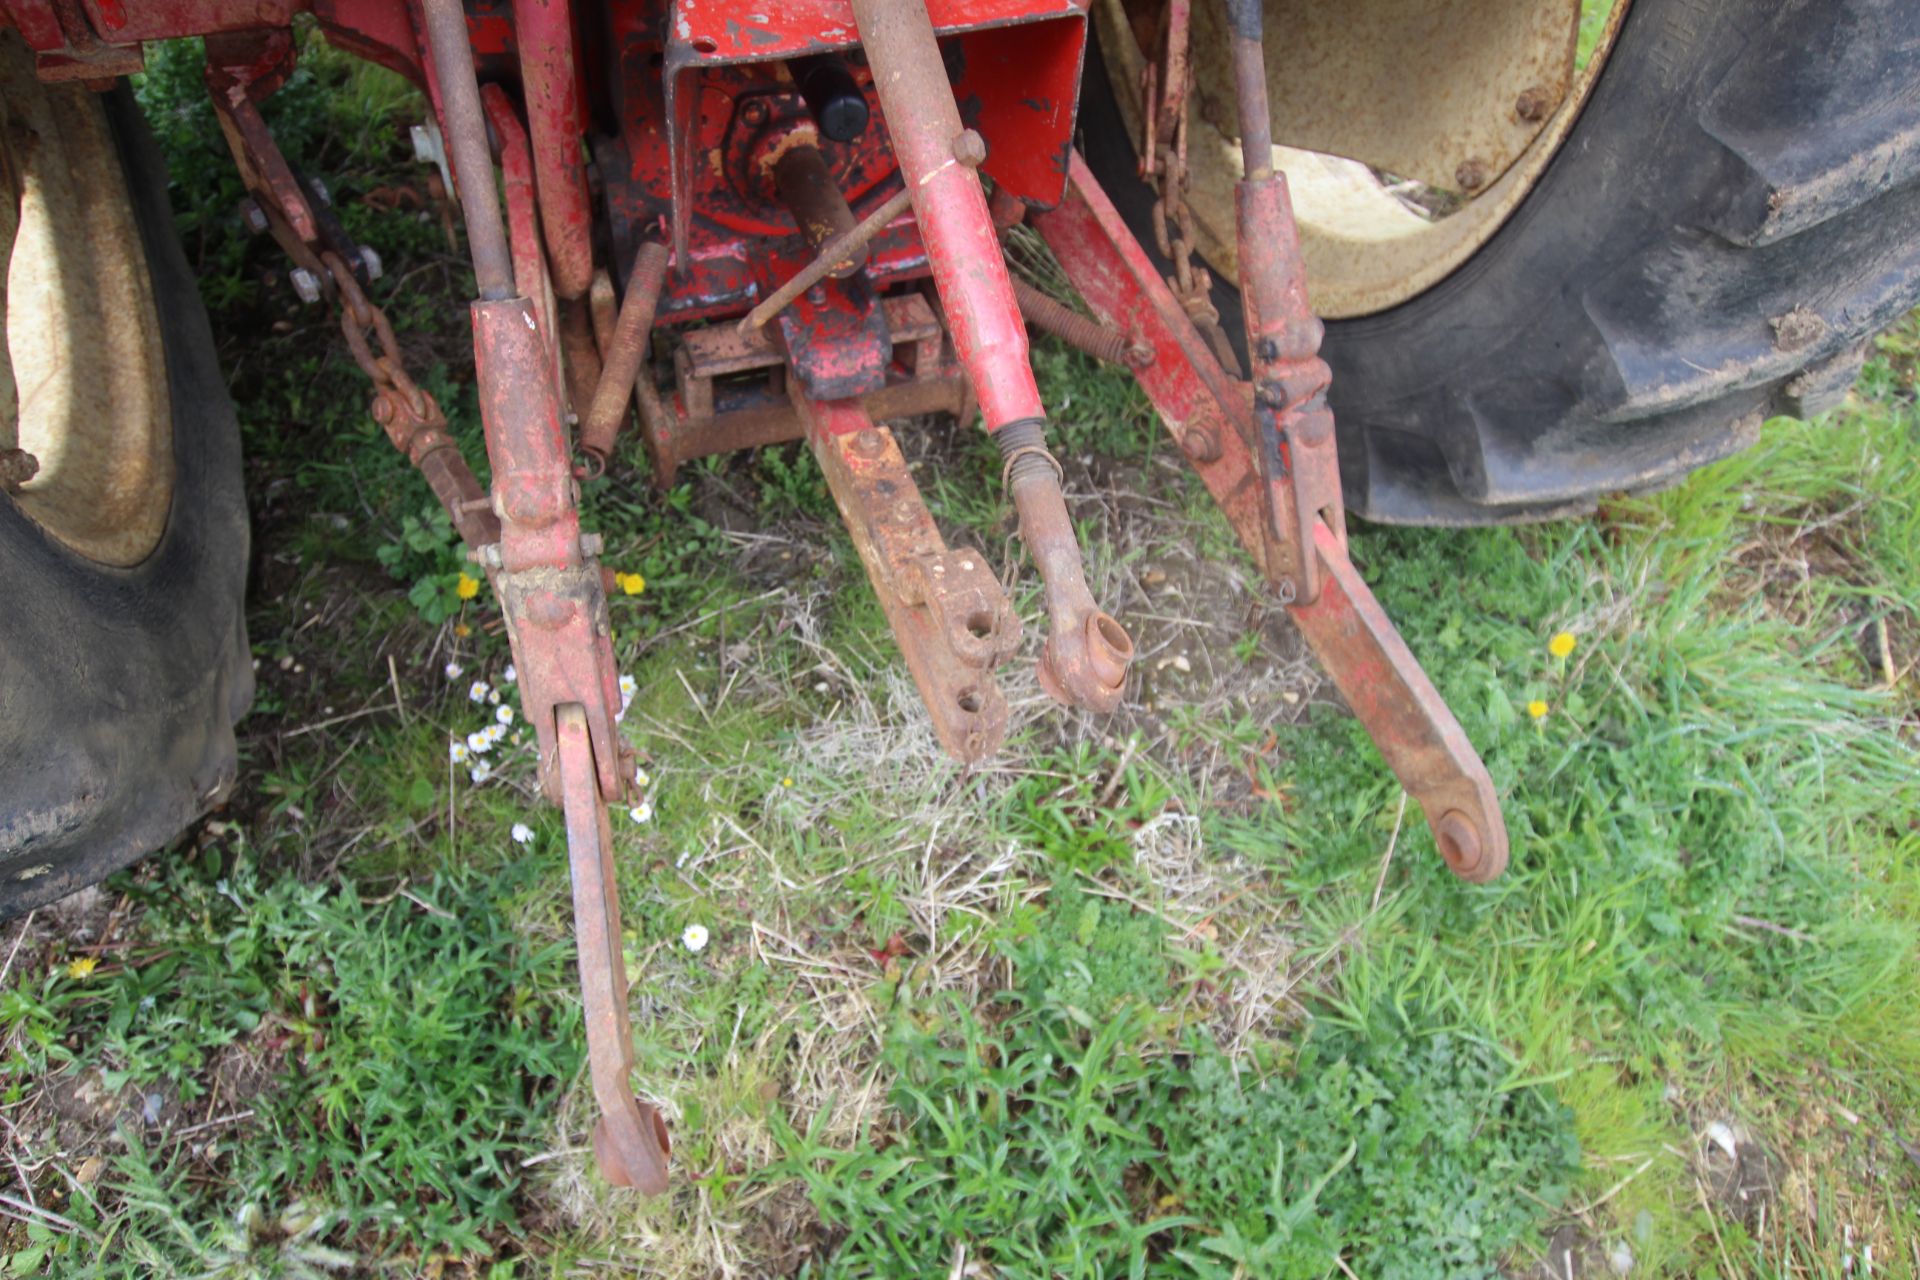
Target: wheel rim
(85,426)
(1366,248)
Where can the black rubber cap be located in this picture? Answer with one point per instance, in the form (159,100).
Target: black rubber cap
(833,96)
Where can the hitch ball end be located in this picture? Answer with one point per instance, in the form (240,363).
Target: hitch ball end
(1463,850)
(1088,671)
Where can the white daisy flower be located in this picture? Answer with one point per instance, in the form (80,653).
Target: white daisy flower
(478,691)
(642,779)
(457,752)
(642,812)
(628,686)
(495,732)
(493,697)
(453,670)
(504,715)
(522,833)
(694,937)
(478,742)
(480,772)
(510,675)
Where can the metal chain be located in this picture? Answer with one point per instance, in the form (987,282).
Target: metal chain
(1164,159)
(399,403)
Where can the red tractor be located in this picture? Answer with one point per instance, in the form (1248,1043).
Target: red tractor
(1444,262)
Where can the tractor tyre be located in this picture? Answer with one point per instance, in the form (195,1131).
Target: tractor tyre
(1729,211)
(123,525)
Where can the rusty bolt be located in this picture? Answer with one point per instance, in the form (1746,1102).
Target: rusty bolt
(970,149)
(17,466)
(253,215)
(1200,444)
(868,444)
(305,284)
(1472,174)
(753,111)
(1533,104)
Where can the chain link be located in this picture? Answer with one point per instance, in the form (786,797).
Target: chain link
(1164,161)
(410,415)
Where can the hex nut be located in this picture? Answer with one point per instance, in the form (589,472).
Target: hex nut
(305,284)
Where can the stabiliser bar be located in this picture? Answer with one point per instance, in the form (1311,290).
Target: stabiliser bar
(1211,417)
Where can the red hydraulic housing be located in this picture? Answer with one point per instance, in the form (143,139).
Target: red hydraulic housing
(729,224)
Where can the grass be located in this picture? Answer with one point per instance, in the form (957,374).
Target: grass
(1182,993)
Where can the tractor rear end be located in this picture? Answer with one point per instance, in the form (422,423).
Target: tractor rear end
(723,225)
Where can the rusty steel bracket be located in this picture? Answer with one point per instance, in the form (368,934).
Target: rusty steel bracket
(86,57)
(1209,414)
(948,613)
(1295,448)
(729,388)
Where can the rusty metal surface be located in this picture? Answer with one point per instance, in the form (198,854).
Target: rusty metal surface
(555,120)
(948,614)
(1294,446)
(242,70)
(1210,416)
(1077,331)
(807,188)
(523,213)
(827,258)
(1086,654)
(836,339)
(1163,151)
(409,414)
(548,575)
(950,205)
(579,354)
(1404,714)
(465,128)
(1084,662)
(630,1142)
(730,388)
(1018,66)
(625,352)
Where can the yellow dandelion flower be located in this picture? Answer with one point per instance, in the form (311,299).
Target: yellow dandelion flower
(1562,644)
(631,583)
(461,630)
(786,782)
(467,587)
(81,966)
(1537,709)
